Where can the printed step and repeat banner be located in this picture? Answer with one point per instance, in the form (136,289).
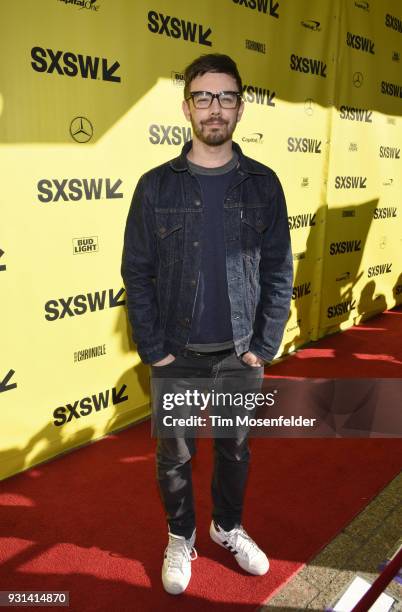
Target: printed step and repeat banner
(90,99)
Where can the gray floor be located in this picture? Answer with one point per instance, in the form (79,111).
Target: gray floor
(359,549)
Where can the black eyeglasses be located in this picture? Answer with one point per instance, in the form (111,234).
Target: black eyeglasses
(203,99)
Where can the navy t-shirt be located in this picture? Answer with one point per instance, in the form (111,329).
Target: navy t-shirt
(211,327)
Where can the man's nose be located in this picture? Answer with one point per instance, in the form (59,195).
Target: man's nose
(215,106)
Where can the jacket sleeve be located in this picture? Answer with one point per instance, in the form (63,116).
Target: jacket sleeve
(138,269)
(276,279)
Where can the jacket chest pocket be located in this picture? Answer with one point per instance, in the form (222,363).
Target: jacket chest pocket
(254,223)
(169,236)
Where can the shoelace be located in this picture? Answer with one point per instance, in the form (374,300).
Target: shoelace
(241,541)
(176,550)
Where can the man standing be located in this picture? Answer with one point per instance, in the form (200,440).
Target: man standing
(208,272)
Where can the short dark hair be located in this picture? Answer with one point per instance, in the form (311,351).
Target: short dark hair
(211,62)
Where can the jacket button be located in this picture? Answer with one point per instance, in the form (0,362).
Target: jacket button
(162,230)
(196,243)
(192,282)
(197,202)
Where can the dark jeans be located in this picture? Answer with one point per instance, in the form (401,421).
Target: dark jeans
(231,455)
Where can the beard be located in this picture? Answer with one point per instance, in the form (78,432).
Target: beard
(214,135)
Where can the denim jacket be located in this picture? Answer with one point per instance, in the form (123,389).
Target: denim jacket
(162,251)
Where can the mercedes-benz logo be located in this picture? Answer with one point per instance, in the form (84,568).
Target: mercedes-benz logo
(383,242)
(308,106)
(357,79)
(81,129)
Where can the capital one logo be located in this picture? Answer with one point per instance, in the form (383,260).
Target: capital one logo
(67,63)
(169,134)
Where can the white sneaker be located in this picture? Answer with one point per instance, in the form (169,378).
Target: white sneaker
(246,552)
(176,569)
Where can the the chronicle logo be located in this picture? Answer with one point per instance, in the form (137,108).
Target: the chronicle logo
(174,27)
(336,310)
(379,269)
(89,353)
(169,134)
(360,43)
(72,64)
(75,189)
(79,304)
(255,137)
(85,245)
(361,4)
(390,152)
(177,78)
(345,246)
(385,212)
(350,182)
(393,22)
(90,5)
(300,291)
(308,65)
(258,95)
(311,24)
(303,145)
(262,6)
(254,45)
(90,404)
(390,89)
(303,220)
(81,129)
(352,113)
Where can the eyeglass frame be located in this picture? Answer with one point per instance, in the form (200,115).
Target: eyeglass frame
(213,96)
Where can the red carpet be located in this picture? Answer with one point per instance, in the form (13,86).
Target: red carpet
(90,522)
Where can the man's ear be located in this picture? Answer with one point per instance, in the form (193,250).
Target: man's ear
(186,109)
(240,111)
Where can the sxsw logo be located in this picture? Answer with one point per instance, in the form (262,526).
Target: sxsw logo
(341,308)
(379,269)
(88,405)
(5,384)
(390,152)
(80,304)
(258,95)
(360,43)
(351,113)
(85,245)
(300,291)
(308,65)
(393,22)
(169,134)
(304,220)
(71,64)
(304,145)
(174,27)
(385,212)
(390,89)
(262,6)
(73,190)
(345,246)
(350,182)
(2,266)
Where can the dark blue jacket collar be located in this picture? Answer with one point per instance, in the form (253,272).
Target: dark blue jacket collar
(246,164)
